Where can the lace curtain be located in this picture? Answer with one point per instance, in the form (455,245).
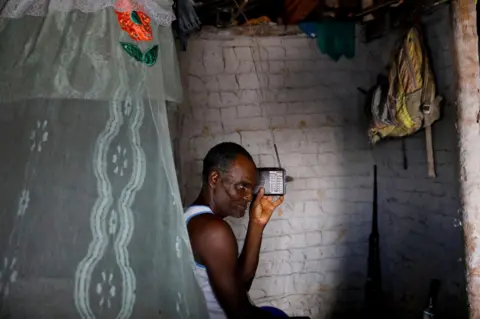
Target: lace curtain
(91,223)
(159,10)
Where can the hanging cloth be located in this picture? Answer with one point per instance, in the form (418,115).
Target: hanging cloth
(336,38)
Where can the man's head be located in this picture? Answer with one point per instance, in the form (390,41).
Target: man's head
(229,175)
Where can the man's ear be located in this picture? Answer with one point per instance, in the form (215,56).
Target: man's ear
(213,179)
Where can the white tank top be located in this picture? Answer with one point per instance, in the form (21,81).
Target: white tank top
(215,311)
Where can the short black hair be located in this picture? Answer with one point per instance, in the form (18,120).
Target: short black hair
(220,158)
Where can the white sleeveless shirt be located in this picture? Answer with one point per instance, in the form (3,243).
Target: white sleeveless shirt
(215,311)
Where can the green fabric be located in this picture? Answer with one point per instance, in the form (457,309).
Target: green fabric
(336,38)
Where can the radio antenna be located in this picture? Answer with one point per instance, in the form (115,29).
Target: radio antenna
(278,157)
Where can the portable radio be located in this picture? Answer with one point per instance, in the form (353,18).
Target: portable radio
(273,180)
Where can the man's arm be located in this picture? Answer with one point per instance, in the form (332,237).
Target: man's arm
(248,260)
(260,212)
(217,248)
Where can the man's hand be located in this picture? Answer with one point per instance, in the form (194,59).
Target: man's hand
(262,208)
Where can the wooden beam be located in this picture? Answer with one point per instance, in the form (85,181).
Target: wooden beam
(468,108)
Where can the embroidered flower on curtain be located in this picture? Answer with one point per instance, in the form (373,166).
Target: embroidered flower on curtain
(137,25)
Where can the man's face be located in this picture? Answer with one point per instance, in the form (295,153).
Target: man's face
(234,189)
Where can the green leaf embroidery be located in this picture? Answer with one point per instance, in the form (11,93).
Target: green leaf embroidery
(133,51)
(135,18)
(150,57)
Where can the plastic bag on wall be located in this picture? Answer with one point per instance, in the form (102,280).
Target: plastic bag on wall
(411,102)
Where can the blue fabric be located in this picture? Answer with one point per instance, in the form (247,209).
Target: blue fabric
(275,311)
(309,28)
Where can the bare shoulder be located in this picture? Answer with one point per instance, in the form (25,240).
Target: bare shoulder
(209,233)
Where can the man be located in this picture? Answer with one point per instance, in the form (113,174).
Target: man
(229,179)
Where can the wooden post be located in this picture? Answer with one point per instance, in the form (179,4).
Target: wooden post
(468,107)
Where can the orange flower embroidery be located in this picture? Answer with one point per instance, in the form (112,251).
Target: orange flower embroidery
(136,24)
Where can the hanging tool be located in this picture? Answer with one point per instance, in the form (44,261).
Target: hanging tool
(373,287)
(429,147)
(404,155)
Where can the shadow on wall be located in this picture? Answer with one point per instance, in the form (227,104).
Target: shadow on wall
(352,196)
(424,229)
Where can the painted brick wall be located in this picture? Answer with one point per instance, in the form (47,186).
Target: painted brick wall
(282,89)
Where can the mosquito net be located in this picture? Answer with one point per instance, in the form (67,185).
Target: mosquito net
(91,222)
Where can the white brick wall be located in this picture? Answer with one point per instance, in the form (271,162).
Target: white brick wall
(313,259)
